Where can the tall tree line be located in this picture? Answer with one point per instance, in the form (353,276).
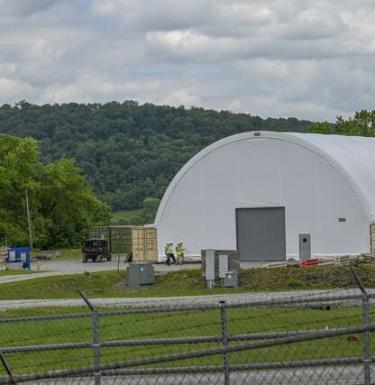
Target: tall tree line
(361,124)
(128,151)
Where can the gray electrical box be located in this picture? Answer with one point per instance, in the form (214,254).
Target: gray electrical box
(218,264)
(139,274)
(210,265)
(233,261)
(223,265)
(304,246)
(231,279)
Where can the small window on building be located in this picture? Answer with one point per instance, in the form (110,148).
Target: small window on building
(342,219)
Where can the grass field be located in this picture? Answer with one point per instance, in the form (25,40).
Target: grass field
(105,284)
(126,217)
(186,282)
(178,324)
(60,255)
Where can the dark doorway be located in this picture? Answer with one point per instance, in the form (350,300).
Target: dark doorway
(261,234)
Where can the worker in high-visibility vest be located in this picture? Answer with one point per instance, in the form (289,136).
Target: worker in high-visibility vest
(169,253)
(180,252)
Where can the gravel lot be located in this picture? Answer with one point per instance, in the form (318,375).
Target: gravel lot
(51,268)
(181,301)
(76,266)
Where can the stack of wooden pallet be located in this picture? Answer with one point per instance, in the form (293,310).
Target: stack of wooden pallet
(143,244)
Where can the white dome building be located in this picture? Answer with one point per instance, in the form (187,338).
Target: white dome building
(258,192)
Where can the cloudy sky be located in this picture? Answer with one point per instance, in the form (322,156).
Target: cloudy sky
(280,58)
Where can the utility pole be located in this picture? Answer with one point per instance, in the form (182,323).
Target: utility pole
(29,219)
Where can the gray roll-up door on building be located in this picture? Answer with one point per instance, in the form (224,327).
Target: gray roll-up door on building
(261,234)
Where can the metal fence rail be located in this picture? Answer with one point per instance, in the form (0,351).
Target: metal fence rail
(320,337)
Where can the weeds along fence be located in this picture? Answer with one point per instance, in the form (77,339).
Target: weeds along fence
(277,338)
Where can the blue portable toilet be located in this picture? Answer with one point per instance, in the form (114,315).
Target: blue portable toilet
(20,255)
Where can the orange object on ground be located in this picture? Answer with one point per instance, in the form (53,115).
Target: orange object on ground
(309,262)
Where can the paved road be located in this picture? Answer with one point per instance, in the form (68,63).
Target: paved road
(76,266)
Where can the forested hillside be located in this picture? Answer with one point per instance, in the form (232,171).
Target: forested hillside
(128,151)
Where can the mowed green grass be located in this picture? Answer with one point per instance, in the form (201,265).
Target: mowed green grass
(62,255)
(107,284)
(186,282)
(176,324)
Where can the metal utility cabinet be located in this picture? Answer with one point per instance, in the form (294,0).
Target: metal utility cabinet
(304,246)
(223,265)
(138,274)
(228,259)
(231,279)
(220,264)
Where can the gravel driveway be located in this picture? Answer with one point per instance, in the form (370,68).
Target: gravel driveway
(52,268)
(183,301)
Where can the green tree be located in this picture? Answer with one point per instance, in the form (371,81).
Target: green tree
(361,124)
(150,207)
(19,170)
(321,128)
(62,203)
(68,204)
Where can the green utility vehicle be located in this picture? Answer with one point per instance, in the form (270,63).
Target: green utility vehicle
(96,249)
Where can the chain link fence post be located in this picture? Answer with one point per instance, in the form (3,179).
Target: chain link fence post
(366,339)
(8,369)
(96,344)
(95,337)
(366,320)
(224,338)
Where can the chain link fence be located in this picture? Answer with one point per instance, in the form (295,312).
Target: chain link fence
(278,338)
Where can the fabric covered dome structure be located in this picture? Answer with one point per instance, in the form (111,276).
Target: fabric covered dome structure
(258,192)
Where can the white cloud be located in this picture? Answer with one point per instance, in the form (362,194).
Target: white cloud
(271,57)
(313,23)
(15,87)
(182,97)
(194,46)
(162,15)
(25,7)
